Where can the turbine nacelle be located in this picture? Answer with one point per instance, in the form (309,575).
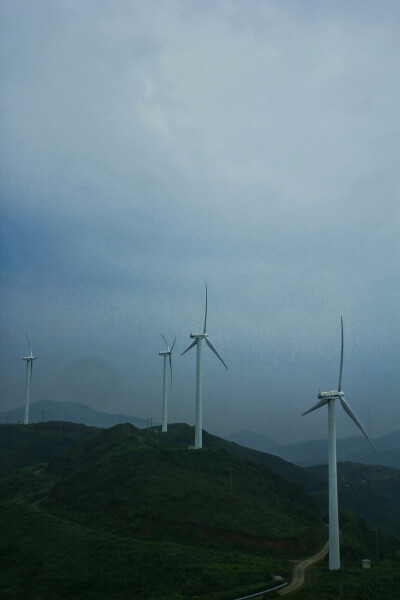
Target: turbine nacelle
(198,336)
(332,395)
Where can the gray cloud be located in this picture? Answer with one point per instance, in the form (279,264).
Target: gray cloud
(147,148)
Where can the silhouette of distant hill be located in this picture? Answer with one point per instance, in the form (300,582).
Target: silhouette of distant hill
(315,452)
(73,412)
(253,440)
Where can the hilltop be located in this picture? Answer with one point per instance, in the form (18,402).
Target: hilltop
(366,493)
(151,485)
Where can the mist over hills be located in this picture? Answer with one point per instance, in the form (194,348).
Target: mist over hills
(74,412)
(253,440)
(315,452)
(306,453)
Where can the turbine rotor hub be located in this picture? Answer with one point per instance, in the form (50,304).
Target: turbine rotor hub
(332,395)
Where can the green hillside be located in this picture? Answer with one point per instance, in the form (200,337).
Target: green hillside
(24,445)
(152,486)
(352,582)
(50,558)
(368,490)
(124,513)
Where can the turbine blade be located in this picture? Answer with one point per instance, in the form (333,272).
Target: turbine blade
(31,371)
(29,344)
(166,343)
(341,359)
(170,366)
(205,314)
(189,347)
(209,344)
(320,403)
(350,412)
(173,344)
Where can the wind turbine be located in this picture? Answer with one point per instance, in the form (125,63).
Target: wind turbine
(29,370)
(198,338)
(329,399)
(166,353)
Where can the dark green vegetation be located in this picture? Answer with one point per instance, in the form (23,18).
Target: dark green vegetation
(352,582)
(24,445)
(50,558)
(128,513)
(150,485)
(370,491)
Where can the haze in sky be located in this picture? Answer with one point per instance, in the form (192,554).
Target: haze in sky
(148,147)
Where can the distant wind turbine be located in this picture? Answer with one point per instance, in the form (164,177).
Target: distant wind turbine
(166,353)
(198,337)
(329,399)
(29,371)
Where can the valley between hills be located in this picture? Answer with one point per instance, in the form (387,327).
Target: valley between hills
(132,513)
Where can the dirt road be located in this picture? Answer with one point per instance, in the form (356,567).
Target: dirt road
(300,568)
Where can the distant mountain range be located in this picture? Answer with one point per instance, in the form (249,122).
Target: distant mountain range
(73,412)
(315,452)
(304,454)
(253,440)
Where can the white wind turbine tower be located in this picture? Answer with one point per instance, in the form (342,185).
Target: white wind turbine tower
(29,370)
(198,338)
(329,399)
(166,353)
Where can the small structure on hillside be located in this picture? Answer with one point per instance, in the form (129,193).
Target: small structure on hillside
(366,563)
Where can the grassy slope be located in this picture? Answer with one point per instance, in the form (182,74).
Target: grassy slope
(24,445)
(367,490)
(376,499)
(150,485)
(352,582)
(63,559)
(46,557)
(285,469)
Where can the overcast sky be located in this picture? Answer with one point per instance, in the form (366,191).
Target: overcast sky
(150,146)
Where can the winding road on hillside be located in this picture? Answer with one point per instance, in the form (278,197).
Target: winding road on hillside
(300,568)
(298,571)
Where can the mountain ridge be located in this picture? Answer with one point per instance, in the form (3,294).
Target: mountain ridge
(73,412)
(315,452)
